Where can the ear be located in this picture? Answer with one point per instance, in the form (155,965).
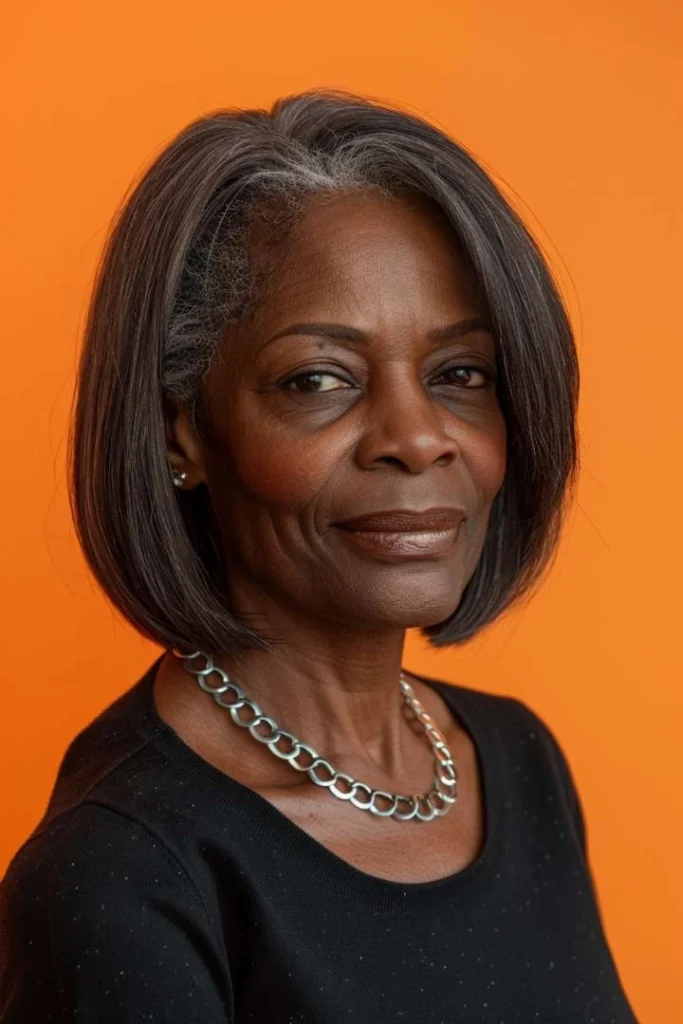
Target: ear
(183,447)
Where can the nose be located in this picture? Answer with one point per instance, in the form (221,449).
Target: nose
(406,426)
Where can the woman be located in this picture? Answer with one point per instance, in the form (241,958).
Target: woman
(327,394)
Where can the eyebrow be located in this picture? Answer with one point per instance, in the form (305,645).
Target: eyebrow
(354,334)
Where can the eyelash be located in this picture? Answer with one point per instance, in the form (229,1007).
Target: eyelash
(487,373)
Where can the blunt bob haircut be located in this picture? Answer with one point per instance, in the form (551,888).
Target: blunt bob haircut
(178,267)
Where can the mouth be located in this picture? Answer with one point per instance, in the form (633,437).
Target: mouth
(431,520)
(391,544)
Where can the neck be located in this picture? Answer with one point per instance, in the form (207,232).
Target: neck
(333,685)
(344,700)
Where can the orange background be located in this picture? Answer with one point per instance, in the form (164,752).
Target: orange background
(576,107)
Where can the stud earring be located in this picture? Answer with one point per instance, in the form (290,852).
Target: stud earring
(178,477)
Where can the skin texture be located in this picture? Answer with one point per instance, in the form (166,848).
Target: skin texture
(394,421)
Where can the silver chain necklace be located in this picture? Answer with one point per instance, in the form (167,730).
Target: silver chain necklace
(423,807)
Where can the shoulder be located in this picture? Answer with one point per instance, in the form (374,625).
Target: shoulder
(522,738)
(506,714)
(90,851)
(97,917)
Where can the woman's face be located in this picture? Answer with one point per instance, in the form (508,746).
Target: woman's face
(309,430)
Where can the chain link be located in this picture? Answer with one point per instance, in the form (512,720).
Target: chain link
(424,807)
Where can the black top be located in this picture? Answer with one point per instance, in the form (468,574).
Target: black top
(158,889)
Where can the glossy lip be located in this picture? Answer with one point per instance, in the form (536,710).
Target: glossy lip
(408,521)
(401,544)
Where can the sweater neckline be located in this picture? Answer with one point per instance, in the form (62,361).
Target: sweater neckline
(319,859)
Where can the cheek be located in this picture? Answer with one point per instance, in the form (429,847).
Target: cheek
(272,466)
(281,474)
(487,461)
(494,466)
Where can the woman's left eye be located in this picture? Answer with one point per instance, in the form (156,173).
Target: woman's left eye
(484,372)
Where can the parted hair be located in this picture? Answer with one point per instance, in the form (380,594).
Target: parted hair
(179,265)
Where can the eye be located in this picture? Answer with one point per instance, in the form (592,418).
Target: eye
(484,372)
(315,376)
(319,381)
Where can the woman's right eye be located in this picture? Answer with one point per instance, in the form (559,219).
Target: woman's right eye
(313,375)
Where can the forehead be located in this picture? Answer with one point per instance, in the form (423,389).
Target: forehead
(368,248)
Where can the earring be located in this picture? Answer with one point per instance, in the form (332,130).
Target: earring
(178,477)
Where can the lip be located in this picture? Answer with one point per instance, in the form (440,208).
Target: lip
(402,544)
(407,521)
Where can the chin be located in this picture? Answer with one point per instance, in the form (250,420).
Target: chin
(412,609)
